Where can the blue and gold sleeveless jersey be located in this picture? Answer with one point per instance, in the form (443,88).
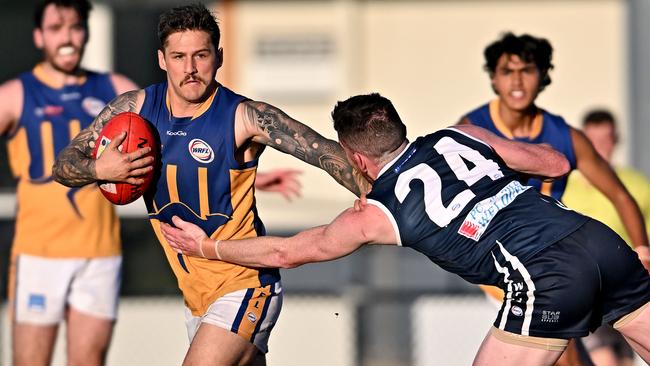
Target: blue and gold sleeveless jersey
(53,220)
(451,197)
(547,128)
(201,181)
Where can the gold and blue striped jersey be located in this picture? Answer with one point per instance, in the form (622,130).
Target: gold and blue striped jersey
(547,128)
(200,181)
(53,220)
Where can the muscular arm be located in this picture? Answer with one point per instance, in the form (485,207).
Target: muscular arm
(352,229)
(74,165)
(601,175)
(270,126)
(533,159)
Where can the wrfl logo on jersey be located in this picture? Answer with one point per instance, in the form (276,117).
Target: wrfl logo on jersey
(201,151)
(516,311)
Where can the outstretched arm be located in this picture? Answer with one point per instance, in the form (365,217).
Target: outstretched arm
(268,125)
(602,176)
(534,159)
(75,166)
(353,228)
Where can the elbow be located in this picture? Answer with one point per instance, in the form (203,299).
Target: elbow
(57,170)
(555,166)
(284,259)
(563,167)
(56,173)
(560,168)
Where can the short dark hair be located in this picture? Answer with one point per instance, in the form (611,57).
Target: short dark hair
(369,124)
(185,18)
(530,49)
(82,7)
(598,117)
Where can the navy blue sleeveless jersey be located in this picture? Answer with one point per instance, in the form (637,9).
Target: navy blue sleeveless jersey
(201,181)
(547,128)
(452,198)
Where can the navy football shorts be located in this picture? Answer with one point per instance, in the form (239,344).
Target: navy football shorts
(586,279)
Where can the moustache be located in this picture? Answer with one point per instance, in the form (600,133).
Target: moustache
(192,78)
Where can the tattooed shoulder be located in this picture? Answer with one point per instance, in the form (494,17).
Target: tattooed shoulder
(262,116)
(85,140)
(126,102)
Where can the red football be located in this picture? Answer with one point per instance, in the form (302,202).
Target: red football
(138,134)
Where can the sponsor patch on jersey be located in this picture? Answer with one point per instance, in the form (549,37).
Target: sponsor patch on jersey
(201,151)
(92,105)
(36,303)
(480,216)
(48,111)
(66,97)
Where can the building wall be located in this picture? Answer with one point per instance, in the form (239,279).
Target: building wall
(426,56)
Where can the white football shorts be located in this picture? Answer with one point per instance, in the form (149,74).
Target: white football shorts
(249,313)
(44,287)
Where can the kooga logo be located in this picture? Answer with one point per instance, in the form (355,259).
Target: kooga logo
(176,133)
(201,151)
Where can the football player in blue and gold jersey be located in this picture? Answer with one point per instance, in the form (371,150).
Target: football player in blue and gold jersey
(66,253)
(211,139)
(519,69)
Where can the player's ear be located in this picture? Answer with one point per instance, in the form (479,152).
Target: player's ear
(360,161)
(38,38)
(219,59)
(161,60)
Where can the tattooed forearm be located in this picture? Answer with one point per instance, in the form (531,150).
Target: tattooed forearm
(292,137)
(74,165)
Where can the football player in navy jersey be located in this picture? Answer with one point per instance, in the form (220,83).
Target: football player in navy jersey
(455,196)
(211,139)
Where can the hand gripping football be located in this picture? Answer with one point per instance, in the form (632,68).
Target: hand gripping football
(139,134)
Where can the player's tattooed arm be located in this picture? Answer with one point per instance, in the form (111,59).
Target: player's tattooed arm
(276,129)
(74,166)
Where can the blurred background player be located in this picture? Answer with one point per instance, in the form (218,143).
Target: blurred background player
(230,309)
(600,127)
(454,196)
(606,346)
(519,70)
(66,254)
